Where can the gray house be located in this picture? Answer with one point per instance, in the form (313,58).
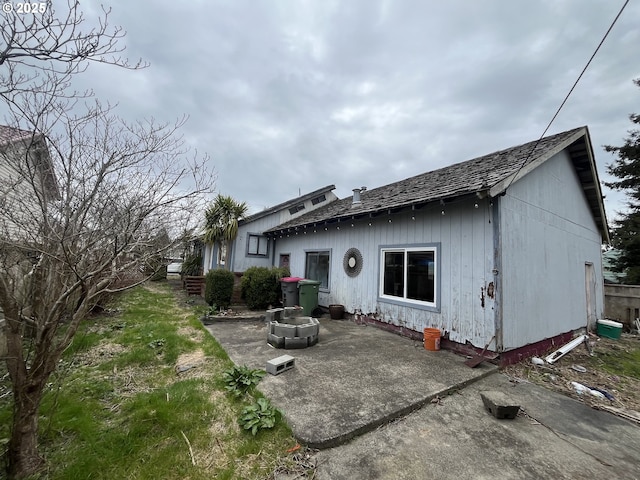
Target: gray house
(251,247)
(502,249)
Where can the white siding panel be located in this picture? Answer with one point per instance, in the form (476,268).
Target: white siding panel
(548,235)
(465,235)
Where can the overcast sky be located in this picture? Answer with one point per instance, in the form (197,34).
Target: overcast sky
(290,96)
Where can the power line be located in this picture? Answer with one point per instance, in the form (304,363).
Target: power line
(569,94)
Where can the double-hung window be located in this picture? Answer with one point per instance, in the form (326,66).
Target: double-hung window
(409,275)
(257,245)
(317,267)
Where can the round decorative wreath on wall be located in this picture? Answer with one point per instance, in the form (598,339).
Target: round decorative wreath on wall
(352,262)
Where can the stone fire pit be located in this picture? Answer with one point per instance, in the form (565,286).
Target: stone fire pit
(287,330)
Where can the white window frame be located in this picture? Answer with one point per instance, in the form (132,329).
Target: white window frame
(432,247)
(260,239)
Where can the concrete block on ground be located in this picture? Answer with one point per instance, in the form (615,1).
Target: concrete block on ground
(274,314)
(284,330)
(275,340)
(499,404)
(307,330)
(313,339)
(293,311)
(280,364)
(296,342)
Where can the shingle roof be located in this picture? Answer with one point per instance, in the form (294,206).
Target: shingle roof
(481,174)
(10,135)
(287,204)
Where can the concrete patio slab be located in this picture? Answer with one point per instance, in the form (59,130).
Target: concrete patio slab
(353,380)
(555,437)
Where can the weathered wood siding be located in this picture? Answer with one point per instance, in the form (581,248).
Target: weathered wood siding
(465,235)
(548,234)
(240,260)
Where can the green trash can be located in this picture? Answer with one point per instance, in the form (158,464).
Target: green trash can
(308,293)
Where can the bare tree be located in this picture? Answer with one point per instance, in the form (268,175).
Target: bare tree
(87,200)
(46,45)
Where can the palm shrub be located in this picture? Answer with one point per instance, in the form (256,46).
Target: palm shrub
(218,288)
(192,265)
(261,286)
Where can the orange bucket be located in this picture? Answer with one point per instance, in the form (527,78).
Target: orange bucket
(432,339)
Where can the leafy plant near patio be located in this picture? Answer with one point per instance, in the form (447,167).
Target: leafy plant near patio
(260,415)
(240,380)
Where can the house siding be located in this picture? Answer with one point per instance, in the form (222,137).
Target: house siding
(548,235)
(465,246)
(240,260)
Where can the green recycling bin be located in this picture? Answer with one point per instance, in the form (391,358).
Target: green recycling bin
(308,293)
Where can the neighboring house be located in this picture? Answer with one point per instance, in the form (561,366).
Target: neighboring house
(251,247)
(504,248)
(26,178)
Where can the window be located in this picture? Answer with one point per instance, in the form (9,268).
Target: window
(257,245)
(410,275)
(317,200)
(317,267)
(296,209)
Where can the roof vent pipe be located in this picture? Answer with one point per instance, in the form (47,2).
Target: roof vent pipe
(356,195)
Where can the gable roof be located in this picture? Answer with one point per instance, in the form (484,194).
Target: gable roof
(289,203)
(488,175)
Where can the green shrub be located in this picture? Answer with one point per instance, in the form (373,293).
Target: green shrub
(219,287)
(261,286)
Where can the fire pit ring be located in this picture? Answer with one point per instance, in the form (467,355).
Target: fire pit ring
(293,332)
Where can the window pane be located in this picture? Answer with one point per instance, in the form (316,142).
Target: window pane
(253,245)
(262,245)
(394,274)
(420,276)
(317,267)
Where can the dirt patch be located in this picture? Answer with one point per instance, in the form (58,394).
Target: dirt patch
(600,370)
(101,353)
(191,333)
(191,358)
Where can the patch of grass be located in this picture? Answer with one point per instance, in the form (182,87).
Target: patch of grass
(82,342)
(621,362)
(118,409)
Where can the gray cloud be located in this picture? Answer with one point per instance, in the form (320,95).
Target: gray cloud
(289,96)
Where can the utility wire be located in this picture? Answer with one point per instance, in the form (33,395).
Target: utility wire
(568,94)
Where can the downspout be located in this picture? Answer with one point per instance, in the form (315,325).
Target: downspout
(497,271)
(273,253)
